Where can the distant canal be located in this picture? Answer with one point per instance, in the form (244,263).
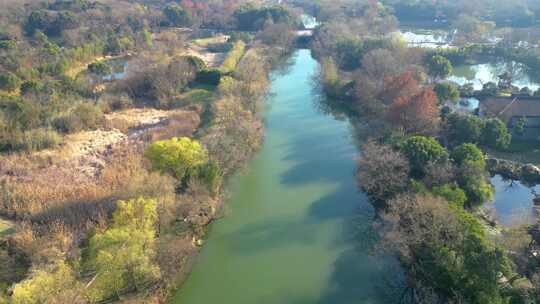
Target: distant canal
(298,231)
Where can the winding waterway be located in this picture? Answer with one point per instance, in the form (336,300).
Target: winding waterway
(297,230)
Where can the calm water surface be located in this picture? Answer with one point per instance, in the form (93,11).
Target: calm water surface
(479,74)
(513,203)
(119,69)
(426,38)
(298,231)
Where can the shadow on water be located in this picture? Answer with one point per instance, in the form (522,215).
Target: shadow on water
(325,245)
(361,273)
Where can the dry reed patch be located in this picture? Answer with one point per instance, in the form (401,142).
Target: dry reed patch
(178,124)
(140,122)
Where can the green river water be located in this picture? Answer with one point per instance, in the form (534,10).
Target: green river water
(296,230)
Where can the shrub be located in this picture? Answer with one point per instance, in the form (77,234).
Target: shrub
(9,82)
(161,83)
(57,286)
(119,45)
(219,47)
(84,116)
(210,175)
(478,190)
(99,68)
(40,139)
(446,92)
(90,115)
(422,151)
(241,36)
(108,103)
(469,154)
(67,123)
(197,62)
(7,45)
(464,128)
(176,156)
(209,77)
(495,134)
(452,193)
(31,140)
(439,66)
(31,86)
(177,16)
(330,80)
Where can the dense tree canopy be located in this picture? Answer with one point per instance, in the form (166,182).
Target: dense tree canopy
(177,155)
(464,128)
(445,250)
(416,114)
(123,255)
(439,67)
(468,154)
(9,82)
(421,151)
(99,68)
(446,92)
(58,286)
(504,12)
(495,134)
(253,18)
(177,16)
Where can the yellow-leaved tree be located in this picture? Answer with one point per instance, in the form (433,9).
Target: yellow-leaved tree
(122,258)
(177,155)
(59,285)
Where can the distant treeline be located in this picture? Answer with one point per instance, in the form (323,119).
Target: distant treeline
(503,12)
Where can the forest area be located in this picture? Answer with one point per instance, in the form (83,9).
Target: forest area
(424,165)
(123,121)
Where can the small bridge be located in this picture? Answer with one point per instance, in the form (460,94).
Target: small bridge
(304,33)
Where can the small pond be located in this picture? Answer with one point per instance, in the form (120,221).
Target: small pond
(513,203)
(426,38)
(119,69)
(479,74)
(435,38)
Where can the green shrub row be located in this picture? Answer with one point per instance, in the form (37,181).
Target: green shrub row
(233,57)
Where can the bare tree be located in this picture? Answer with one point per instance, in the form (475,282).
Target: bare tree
(382,172)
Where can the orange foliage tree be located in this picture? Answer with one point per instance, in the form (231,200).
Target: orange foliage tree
(401,85)
(412,108)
